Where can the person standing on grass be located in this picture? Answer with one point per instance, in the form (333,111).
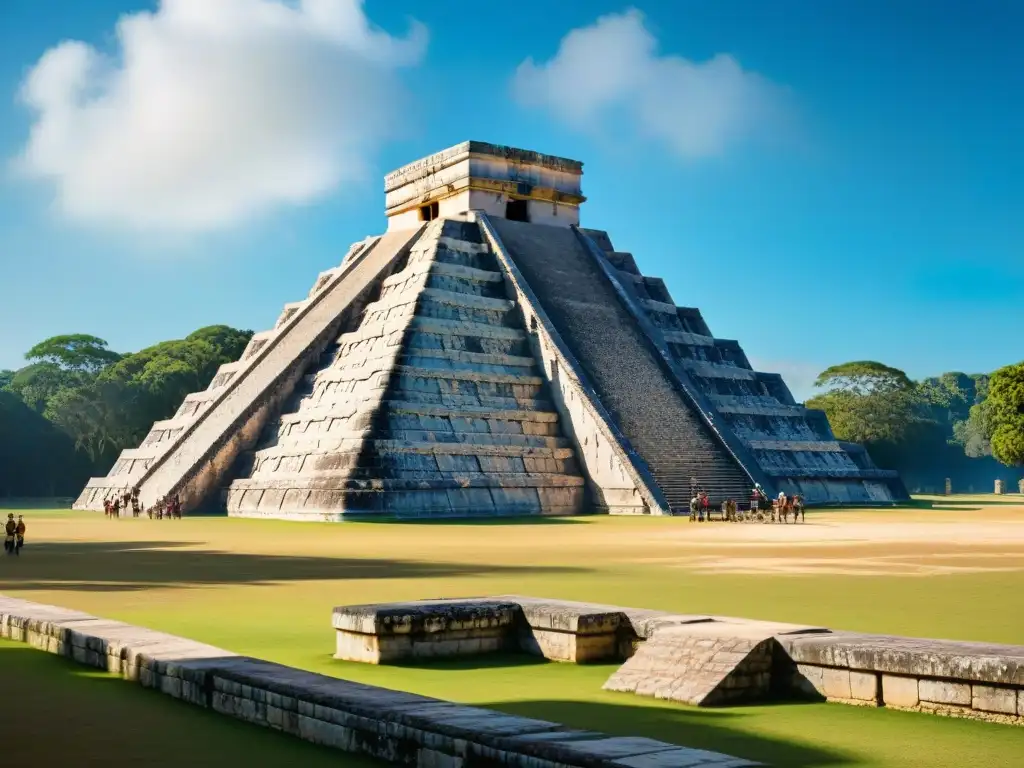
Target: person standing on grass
(9,532)
(19,535)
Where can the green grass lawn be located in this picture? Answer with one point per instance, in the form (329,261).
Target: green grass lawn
(58,713)
(945,568)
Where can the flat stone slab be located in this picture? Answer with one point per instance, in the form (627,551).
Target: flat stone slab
(567,615)
(915,657)
(425,616)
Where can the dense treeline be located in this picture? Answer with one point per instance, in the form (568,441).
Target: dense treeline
(969,428)
(77,404)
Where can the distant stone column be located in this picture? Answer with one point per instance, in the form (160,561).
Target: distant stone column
(1020,485)
(999,487)
(949,486)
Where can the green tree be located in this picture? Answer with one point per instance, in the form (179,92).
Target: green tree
(62,362)
(36,458)
(36,383)
(868,402)
(5,378)
(1006,414)
(74,352)
(975,432)
(116,409)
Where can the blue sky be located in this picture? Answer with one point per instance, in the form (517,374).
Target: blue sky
(863,158)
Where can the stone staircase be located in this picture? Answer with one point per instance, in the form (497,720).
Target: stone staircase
(786,446)
(650,410)
(431,405)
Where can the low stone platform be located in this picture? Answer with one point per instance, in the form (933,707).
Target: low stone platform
(961,679)
(700,660)
(398,727)
(559,630)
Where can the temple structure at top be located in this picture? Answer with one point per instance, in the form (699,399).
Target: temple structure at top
(488,356)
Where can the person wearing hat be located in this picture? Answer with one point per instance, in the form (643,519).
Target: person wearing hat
(19,535)
(9,530)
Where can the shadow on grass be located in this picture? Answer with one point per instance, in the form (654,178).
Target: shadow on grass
(510,659)
(138,565)
(971,504)
(717,731)
(47,503)
(65,712)
(89,700)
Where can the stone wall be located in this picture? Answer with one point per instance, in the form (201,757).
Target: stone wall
(982,681)
(400,728)
(700,660)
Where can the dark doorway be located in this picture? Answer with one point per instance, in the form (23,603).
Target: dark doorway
(517,210)
(429,212)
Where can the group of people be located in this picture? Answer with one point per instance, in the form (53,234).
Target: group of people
(129,500)
(14,535)
(762,509)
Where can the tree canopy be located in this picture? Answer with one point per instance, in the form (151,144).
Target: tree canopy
(1005,414)
(36,458)
(98,401)
(74,352)
(939,427)
(863,377)
(868,402)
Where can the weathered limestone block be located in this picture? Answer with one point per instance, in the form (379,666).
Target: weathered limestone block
(900,692)
(1001,701)
(563,630)
(429,628)
(945,693)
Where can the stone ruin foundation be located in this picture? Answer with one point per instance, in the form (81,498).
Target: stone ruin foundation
(700,660)
(396,727)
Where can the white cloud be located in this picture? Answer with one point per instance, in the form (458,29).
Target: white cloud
(214,111)
(799,376)
(613,68)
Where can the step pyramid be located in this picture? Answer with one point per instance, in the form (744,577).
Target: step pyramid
(487,356)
